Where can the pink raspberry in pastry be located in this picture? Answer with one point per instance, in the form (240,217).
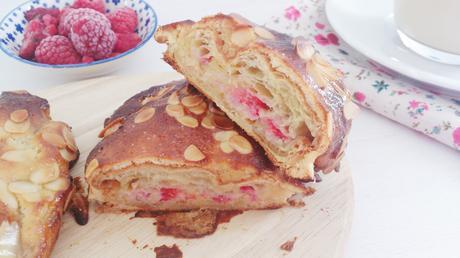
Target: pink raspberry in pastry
(92,38)
(168,193)
(250,101)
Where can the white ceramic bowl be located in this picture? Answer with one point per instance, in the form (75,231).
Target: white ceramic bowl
(12,28)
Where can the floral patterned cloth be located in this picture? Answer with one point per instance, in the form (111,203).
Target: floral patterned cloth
(373,86)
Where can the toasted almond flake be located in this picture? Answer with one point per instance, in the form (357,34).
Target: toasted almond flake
(208,122)
(112,127)
(224,136)
(192,153)
(45,175)
(330,125)
(175,110)
(188,121)
(173,99)
(58,184)
(200,109)
(18,155)
(92,165)
(243,36)
(54,139)
(223,122)
(13,127)
(6,197)
(19,115)
(226,147)
(69,139)
(67,155)
(192,101)
(350,110)
(241,144)
(144,115)
(263,33)
(304,49)
(23,187)
(240,19)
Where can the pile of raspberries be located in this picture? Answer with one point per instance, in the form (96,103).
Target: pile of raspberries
(80,33)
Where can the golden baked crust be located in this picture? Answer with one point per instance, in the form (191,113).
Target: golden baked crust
(277,88)
(169,148)
(35,153)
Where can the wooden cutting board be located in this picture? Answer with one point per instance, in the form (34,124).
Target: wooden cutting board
(321,227)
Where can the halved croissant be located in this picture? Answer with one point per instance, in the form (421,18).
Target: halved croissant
(277,88)
(170,149)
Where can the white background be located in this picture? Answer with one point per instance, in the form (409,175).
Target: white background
(407,186)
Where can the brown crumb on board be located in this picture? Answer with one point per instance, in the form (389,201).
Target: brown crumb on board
(134,241)
(288,245)
(79,206)
(168,252)
(188,224)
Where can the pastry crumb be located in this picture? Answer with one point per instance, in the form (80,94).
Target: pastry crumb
(288,245)
(167,252)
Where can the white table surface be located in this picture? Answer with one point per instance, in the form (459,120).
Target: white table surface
(407,186)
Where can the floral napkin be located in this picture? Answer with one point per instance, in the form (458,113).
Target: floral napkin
(373,86)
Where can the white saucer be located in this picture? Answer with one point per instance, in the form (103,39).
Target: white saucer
(368,26)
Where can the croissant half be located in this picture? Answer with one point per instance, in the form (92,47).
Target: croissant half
(277,88)
(35,187)
(170,149)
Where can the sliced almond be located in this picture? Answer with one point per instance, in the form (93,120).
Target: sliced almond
(173,99)
(144,115)
(19,116)
(175,110)
(241,144)
(7,197)
(188,121)
(208,122)
(200,109)
(18,155)
(58,184)
(13,127)
(223,122)
(111,127)
(69,139)
(45,175)
(192,101)
(240,19)
(21,187)
(263,33)
(304,49)
(192,153)
(350,110)
(32,197)
(224,136)
(54,139)
(92,165)
(243,36)
(67,155)
(158,95)
(226,147)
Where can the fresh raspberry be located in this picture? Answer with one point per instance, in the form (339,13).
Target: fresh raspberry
(50,30)
(56,50)
(62,29)
(126,41)
(92,38)
(34,33)
(123,20)
(50,20)
(75,15)
(87,59)
(97,5)
(39,12)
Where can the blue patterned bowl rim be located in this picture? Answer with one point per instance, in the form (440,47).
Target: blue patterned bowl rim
(106,60)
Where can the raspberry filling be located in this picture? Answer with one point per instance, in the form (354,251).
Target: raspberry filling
(222,198)
(250,191)
(253,105)
(167,194)
(256,109)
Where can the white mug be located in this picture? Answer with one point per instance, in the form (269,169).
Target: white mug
(430,28)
